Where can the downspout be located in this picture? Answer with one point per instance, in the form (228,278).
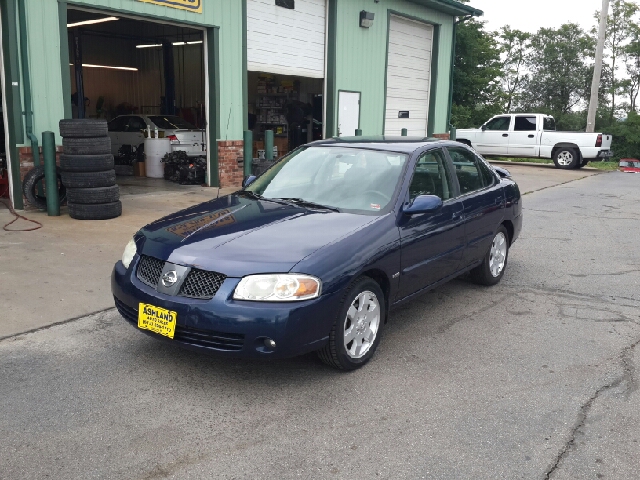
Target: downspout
(26,82)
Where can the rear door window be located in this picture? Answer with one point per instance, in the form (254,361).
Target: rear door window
(549,124)
(471,175)
(525,124)
(136,124)
(118,124)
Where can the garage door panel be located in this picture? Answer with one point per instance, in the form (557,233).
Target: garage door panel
(286,41)
(408,76)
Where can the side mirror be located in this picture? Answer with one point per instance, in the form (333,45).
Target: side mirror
(503,172)
(483,127)
(248,180)
(423,204)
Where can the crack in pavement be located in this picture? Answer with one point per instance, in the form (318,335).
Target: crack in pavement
(631,385)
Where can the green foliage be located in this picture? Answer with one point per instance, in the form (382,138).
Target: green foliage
(559,74)
(476,89)
(626,137)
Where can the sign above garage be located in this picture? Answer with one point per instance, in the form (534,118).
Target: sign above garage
(191,5)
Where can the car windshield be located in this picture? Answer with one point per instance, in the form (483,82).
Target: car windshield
(630,164)
(171,122)
(349,179)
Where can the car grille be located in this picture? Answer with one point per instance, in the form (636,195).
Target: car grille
(199,284)
(149,270)
(230,342)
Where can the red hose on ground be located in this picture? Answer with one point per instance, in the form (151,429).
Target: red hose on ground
(18,216)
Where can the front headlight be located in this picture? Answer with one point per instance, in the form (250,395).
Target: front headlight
(129,252)
(278,288)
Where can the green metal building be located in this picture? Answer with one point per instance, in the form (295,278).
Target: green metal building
(375,65)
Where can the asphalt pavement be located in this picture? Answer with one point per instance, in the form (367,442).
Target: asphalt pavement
(534,378)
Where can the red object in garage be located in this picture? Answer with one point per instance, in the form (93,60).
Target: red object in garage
(4,183)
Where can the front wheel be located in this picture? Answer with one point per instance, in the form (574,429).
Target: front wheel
(355,334)
(491,270)
(566,158)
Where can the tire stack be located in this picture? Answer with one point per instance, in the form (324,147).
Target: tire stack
(88,170)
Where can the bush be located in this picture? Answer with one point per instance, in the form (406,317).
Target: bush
(626,137)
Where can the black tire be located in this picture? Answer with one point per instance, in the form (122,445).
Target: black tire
(87,146)
(86,163)
(89,180)
(482,274)
(30,188)
(335,353)
(100,211)
(566,158)
(84,127)
(90,196)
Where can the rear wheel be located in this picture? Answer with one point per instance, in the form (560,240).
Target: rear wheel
(492,268)
(355,334)
(566,158)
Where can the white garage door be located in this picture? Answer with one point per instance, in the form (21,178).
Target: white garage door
(286,41)
(408,76)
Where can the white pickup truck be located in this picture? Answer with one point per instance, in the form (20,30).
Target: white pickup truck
(533,135)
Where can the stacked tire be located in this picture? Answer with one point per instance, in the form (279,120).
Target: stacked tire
(88,170)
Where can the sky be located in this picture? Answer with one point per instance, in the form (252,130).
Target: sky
(530,15)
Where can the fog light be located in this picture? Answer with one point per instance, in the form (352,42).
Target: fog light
(269,343)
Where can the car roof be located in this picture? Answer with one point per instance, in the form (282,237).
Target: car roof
(385,143)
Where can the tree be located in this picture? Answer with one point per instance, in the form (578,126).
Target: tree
(476,86)
(514,46)
(620,27)
(631,85)
(559,72)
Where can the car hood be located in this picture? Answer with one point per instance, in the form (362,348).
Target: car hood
(238,236)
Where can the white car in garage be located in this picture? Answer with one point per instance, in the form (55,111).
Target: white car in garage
(127,134)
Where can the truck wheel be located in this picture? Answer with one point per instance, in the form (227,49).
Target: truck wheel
(566,158)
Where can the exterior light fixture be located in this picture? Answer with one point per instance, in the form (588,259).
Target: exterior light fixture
(177,44)
(92,22)
(91,65)
(366,19)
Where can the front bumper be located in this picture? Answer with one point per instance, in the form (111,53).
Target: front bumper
(231,327)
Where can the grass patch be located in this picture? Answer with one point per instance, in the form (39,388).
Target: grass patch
(605,166)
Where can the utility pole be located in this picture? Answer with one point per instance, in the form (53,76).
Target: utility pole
(597,70)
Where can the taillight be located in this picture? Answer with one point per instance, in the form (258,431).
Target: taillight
(173,139)
(599,141)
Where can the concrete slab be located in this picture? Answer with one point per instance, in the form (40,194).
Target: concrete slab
(532,177)
(62,270)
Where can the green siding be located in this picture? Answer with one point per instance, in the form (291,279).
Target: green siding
(45,54)
(361,59)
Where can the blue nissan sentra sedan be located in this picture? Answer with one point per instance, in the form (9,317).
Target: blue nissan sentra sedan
(311,255)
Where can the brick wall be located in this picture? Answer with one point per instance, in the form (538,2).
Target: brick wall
(26,163)
(441,136)
(230,163)
(26,159)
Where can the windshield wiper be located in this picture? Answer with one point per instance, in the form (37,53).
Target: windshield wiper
(306,203)
(249,194)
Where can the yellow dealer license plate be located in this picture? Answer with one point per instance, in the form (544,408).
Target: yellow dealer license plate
(158,320)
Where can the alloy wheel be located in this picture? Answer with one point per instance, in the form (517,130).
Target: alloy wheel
(498,254)
(361,324)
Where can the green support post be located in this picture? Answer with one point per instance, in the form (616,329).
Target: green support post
(358,132)
(453,133)
(404,132)
(268,145)
(50,174)
(248,152)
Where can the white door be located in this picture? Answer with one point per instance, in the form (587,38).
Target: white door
(286,41)
(524,139)
(349,113)
(494,139)
(408,77)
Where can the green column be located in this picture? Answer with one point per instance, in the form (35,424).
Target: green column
(50,175)
(358,132)
(268,144)
(248,152)
(404,132)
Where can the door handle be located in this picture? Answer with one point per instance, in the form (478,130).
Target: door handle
(531,136)
(505,134)
(457,215)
